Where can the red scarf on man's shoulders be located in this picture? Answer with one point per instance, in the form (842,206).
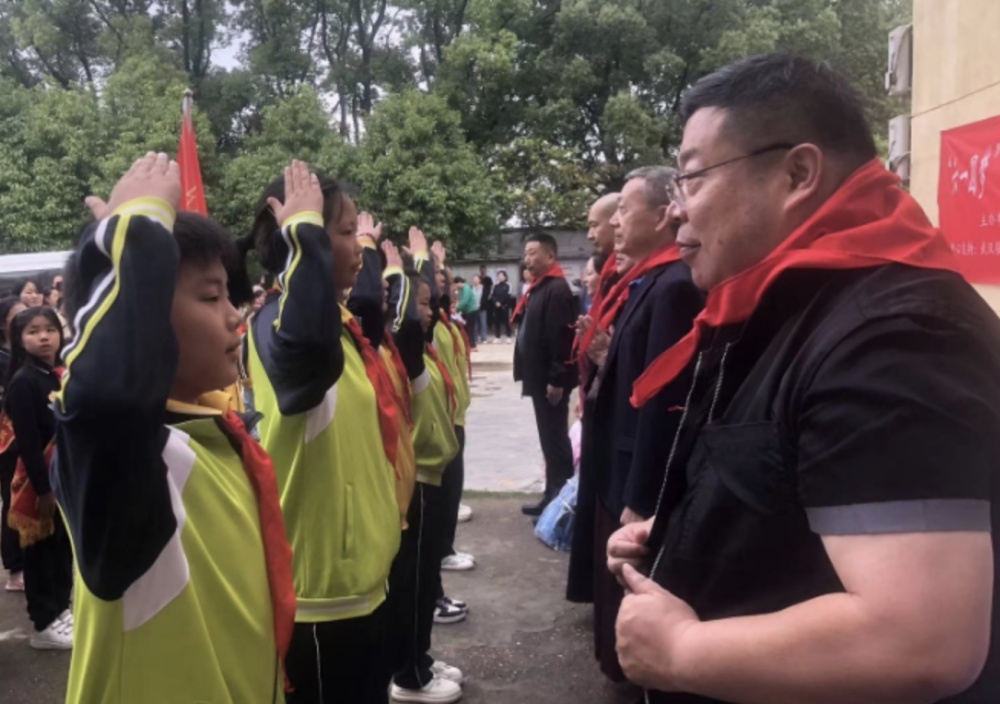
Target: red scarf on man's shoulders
(555,271)
(869,221)
(612,304)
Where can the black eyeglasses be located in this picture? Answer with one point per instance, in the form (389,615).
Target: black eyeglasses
(679,190)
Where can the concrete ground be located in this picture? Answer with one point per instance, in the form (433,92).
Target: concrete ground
(522,643)
(502,451)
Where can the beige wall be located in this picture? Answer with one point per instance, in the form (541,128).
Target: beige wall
(956,80)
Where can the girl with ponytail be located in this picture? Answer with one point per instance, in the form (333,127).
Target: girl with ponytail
(331,427)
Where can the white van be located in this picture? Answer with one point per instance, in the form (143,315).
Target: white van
(38,266)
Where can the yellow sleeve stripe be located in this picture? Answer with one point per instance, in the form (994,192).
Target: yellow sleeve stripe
(153,208)
(392,271)
(366,242)
(291,237)
(309,217)
(102,308)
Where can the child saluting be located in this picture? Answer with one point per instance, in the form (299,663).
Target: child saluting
(185,591)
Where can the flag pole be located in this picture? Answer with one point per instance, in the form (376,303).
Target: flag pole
(193,192)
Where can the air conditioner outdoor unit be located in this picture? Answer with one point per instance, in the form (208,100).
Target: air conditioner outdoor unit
(899,147)
(899,77)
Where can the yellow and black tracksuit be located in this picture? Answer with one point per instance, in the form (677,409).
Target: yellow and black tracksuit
(184,590)
(321,426)
(416,578)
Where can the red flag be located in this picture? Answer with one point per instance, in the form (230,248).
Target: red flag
(192,190)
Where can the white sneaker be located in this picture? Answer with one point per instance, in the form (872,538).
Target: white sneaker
(447,672)
(58,635)
(464,513)
(437,691)
(507,340)
(459,562)
(66,617)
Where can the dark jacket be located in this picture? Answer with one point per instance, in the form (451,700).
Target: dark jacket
(625,450)
(500,296)
(862,401)
(545,339)
(30,412)
(487,291)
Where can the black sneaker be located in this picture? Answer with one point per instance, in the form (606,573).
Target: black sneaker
(446,613)
(456,603)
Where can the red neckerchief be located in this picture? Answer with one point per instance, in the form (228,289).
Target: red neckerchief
(385,392)
(277,552)
(868,222)
(555,271)
(617,297)
(397,362)
(449,383)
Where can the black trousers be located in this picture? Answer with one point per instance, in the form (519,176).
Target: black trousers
(452,486)
(553,433)
(500,320)
(414,586)
(339,662)
(472,327)
(10,542)
(48,576)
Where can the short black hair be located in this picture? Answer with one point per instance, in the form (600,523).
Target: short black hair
(201,241)
(459,280)
(546,240)
(21,285)
(784,97)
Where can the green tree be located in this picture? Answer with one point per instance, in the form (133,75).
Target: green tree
(416,168)
(545,185)
(297,127)
(46,169)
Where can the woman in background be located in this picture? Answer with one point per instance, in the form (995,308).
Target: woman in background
(500,302)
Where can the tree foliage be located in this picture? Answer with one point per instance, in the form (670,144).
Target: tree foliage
(457,115)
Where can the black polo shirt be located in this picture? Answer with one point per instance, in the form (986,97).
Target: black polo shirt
(852,402)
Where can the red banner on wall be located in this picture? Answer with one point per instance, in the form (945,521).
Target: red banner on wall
(969,197)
